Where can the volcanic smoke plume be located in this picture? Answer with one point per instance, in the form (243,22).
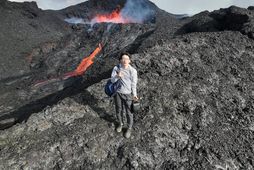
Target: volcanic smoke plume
(133,12)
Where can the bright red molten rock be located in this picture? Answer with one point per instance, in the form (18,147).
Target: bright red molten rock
(85,63)
(114,17)
(80,70)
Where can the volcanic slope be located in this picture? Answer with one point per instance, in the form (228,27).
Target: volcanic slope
(197,91)
(33,71)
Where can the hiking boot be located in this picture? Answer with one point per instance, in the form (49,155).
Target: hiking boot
(119,128)
(127,133)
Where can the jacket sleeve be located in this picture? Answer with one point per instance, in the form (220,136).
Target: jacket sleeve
(114,77)
(134,82)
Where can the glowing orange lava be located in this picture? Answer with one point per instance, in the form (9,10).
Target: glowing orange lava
(82,67)
(114,17)
(85,63)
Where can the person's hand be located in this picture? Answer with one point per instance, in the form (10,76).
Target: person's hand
(135,98)
(120,74)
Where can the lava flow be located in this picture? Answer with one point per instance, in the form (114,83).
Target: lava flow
(114,17)
(82,67)
(85,63)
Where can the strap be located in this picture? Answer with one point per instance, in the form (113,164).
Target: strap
(118,66)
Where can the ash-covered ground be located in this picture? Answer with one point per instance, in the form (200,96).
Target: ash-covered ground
(196,82)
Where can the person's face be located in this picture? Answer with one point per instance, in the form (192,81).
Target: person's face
(125,60)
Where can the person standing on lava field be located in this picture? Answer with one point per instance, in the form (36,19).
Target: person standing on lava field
(126,93)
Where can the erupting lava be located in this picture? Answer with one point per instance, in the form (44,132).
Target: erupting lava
(114,17)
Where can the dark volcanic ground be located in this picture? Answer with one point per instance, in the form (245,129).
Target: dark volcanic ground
(196,82)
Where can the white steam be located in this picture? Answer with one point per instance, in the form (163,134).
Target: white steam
(75,20)
(134,11)
(138,10)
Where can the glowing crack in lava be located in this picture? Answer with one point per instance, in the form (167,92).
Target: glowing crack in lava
(80,70)
(114,17)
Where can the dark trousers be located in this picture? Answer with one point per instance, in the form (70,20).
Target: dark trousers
(123,105)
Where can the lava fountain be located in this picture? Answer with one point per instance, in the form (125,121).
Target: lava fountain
(134,11)
(115,16)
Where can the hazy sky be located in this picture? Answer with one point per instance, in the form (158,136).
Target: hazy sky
(172,6)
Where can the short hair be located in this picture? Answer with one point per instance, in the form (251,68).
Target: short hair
(124,53)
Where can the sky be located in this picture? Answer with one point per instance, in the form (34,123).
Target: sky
(173,6)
